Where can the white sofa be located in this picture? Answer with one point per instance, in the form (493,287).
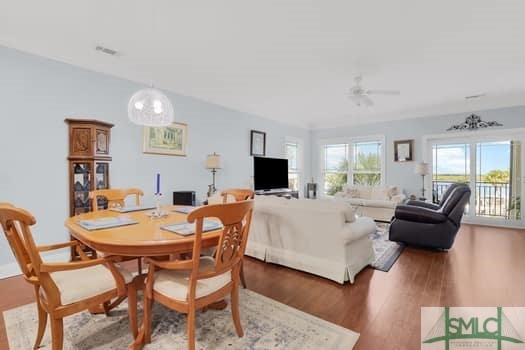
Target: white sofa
(378,202)
(322,237)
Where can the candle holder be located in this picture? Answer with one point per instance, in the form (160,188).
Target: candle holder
(158,212)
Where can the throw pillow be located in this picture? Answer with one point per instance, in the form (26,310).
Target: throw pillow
(393,191)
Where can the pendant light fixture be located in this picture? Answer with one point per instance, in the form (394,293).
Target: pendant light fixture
(149,106)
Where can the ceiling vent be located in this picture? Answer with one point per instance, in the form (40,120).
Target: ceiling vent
(474,97)
(106,50)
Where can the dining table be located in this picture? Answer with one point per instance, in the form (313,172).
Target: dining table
(140,235)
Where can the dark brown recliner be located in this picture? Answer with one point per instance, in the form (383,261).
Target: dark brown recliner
(431,226)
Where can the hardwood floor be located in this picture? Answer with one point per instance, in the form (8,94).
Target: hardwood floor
(485,267)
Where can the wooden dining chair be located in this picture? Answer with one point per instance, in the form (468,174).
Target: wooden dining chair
(61,289)
(115,197)
(190,285)
(239,194)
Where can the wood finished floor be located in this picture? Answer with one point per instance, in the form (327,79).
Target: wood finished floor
(484,268)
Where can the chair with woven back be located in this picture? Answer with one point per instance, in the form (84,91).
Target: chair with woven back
(193,284)
(116,198)
(238,194)
(61,289)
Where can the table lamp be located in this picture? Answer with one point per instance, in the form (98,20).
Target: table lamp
(213,162)
(422,169)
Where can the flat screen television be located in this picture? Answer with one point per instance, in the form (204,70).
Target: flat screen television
(269,173)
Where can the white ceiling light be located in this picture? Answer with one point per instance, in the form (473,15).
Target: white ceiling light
(150,107)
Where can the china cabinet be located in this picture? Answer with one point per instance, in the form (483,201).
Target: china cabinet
(89,160)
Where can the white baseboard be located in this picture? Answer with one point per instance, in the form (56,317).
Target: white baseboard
(12,269)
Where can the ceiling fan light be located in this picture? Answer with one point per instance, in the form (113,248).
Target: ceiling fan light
(150,107)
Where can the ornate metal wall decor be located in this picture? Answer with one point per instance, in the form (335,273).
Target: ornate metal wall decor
(474,122)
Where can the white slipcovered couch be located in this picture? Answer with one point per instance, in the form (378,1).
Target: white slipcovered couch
(378,202)
(322,237)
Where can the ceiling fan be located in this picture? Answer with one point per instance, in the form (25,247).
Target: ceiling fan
(360,95)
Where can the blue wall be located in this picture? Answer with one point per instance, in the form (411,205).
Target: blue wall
(37,94)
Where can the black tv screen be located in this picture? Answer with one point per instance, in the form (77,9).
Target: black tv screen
(270,173)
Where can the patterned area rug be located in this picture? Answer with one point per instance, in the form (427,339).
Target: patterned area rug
(267,324)
(386,252)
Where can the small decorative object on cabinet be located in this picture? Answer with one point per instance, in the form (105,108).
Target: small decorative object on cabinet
(311,190)
(88,164)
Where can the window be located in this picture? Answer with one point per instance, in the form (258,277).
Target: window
(294,156)
(335,168)
(492,169)
(359,162)
(366,165)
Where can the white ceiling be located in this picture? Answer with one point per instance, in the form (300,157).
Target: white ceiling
(292,61)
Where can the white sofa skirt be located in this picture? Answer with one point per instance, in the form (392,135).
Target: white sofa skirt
(311,236)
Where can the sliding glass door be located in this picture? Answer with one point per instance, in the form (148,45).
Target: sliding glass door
(491,165)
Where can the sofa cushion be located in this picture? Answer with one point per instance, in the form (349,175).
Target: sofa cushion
(76,285)
(378,203)
(379,193)
(365,192)
(355,201)
(174,283)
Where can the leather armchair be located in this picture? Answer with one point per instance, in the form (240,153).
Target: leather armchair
(430,225)
(443,198)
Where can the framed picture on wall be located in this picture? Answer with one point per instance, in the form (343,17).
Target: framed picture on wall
(404,150)
(257,143)
(170,140)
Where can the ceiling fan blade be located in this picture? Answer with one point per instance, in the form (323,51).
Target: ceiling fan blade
(383,92)
(365,100)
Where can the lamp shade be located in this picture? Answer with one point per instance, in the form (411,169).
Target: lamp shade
(422,168)
(214,161)
(150,107)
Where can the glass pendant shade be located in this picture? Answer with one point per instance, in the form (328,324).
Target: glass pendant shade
(150,107)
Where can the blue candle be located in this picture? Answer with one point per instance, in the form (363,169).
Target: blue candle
(158,183)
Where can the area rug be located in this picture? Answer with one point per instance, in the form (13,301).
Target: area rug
(267,324)
(385,252)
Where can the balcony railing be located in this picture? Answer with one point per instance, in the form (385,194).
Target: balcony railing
(492,198)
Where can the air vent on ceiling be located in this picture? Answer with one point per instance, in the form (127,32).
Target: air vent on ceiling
(106,50)
(474,97)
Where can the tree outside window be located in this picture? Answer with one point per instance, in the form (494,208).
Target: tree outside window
(366,168)
(363,165)
(335,171)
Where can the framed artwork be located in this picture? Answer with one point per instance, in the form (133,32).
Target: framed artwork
(404,150)
(171,140)
(257,143)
